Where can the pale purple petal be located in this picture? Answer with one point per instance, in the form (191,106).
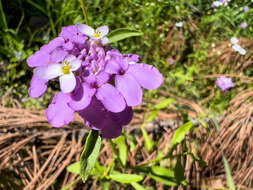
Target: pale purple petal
(59,113)
(37,87)
(111,98)
(52,45)
(129,88)
(104,40)
(113,67)
(104,30)
(85,29)
(67,82)
(146,75)
(81,97)
(48,72)
(40,58)
(68,46)
(58,55)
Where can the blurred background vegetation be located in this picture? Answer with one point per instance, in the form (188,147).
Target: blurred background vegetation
(182,54)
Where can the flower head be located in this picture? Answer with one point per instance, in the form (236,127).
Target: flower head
(98,34)
(225,83)
(244,25)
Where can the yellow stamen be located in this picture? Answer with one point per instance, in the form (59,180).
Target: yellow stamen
(66,68)
(97,34)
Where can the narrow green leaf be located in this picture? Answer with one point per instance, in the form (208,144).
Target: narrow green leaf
(181,132)
(105,185)
(74,168)
(137,186)
(122,33)
(164,103)
(228,174)
(165,181)
(147,140)
(89,154)
(121,143)
(71,184)
(126,178)
(163,171)
(152,116)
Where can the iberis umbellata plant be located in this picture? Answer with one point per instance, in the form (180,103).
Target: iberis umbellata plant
(99,83)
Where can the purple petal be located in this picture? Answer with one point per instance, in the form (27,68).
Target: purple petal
(68,46)
(58,112)
(104,40)
(40,58)
(95,114)
(81,97)
(37,87)
(104,30)
(124,117)
(111,98)
(52,45)
(111,130)
(129,88)
(85,29)
(146,75)
(58,55)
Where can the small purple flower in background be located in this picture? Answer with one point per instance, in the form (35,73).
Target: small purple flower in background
(246,9)
(244,25)
(225,83)
(97,82)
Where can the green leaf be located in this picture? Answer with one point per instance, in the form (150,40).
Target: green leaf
(121,143)
(181,132)
(71,184)
(152,116)
(228,174)
(163,171)
(122,33)
(105,185)
(147,140)
(89,154)
(165,181)
(137,186)
(126,178)
(74,168)
(179,171)
(164,103)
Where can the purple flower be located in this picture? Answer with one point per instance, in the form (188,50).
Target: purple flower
(225,83)
(98,34)
(98,83)
(131,76)
(246,9)
(244,25)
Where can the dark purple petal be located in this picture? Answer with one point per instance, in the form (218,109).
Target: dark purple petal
(95,114)
(40,58)
(129,88)
(81,97)
(58,112)
(124,117)
(146,75)
(111,130)
(111,98)
(37,87)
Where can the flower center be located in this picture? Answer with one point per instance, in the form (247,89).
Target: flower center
(97,34)
(66,68)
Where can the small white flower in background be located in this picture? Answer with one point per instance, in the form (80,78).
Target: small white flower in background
(216,4)
(98,34)
(18,54)
(213,45)
(179,24)
(64,71)
(45,38)
(234,40)
(237,47)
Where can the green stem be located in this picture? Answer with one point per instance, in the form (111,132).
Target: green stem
(85,14)
(3,16)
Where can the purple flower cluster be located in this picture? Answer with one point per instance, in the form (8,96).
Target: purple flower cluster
(225,83)
(97,82)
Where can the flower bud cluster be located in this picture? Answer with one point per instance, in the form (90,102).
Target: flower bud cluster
(96,81)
